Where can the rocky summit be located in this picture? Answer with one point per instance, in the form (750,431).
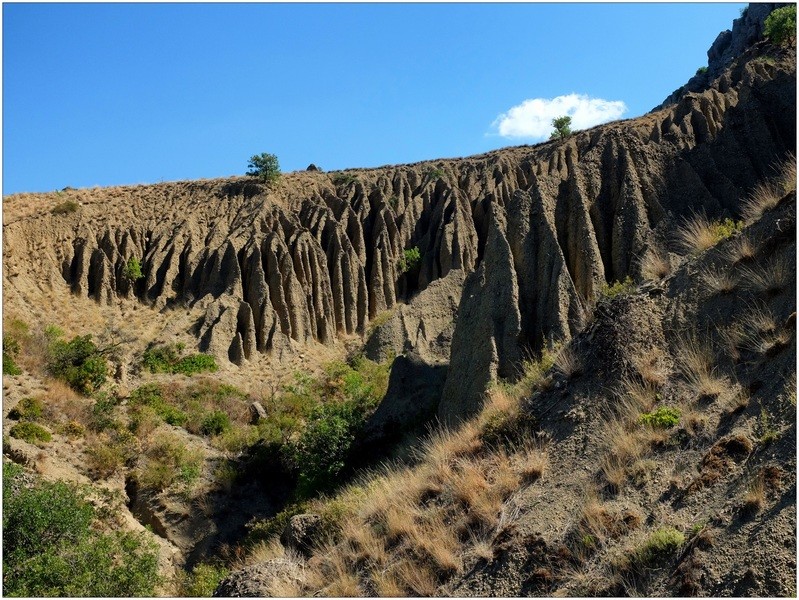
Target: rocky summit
(589,353)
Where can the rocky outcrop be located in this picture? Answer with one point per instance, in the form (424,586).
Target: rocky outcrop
(728,45)
(259,580)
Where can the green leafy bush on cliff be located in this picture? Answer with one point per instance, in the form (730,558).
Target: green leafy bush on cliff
(780,26)
(51,546)
(78,362)
(166,359)
(409,260)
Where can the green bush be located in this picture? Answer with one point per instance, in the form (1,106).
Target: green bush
(65,208)
(618,288)
(132,270)
(215,423)
(50,548)
(150,395)
(562,127)
(102,415)
(435,174)
(664,417)
(726,228)
(409,260)
(10,353)
(79,363)
(167,460)
(262,530)
(780,26)
(265,166)
(27,409)
(30,432)
(701,70)
(203,580)
(658,546)
(344,179)
(166,359)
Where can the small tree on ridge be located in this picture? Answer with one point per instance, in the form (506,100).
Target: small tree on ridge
(562,127)
(264,166)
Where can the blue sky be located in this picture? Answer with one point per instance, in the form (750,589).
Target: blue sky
(108,94)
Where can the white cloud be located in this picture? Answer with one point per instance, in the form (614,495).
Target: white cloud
(533,118)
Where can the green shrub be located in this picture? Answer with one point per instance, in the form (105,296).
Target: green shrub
(79,363)
(215,423)
(618,288)
(30,432)
(264,529)
(562,127)
(780,26)
(434,174)
(27,409)
(132,270)
(726,228)
(50,548)
(65,208)
(658,547)
(409,260)
(103,413)
(150,395)
(166,359)
(344,178)
(203,580)
(10,353)
(664,417)
(265,166)
(168,459)
(196,363)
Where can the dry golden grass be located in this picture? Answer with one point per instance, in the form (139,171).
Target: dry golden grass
(697,364)
(636,397)
(623,448)
(532,460)
(697,234)
(568,362)
(62,404)
(366,546)
(263,551)
(771,278)
(755,497)
(438,544)
(655,265)
(445,445)
(651,366)
(718,281)
(417,578)
(767,194)
(741,249)
(336,575)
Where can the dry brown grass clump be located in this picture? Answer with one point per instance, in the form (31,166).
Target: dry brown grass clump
(651,367)
(767,194)
(770,278)
(655,265)
(718,281)
(697,364)
(740,250)
(755,497)
(698,233)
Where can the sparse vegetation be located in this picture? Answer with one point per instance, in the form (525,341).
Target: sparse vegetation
(699,233)
(10,353)
(655,265)
(409,260)
(344,178)
(767,194)
(27,409)
(64,208)
(701,70)
(664,417)
(617,288)
(78,362)
(659,546)
(32,433)
(166,359)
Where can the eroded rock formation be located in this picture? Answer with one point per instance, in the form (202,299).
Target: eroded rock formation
(537,230)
